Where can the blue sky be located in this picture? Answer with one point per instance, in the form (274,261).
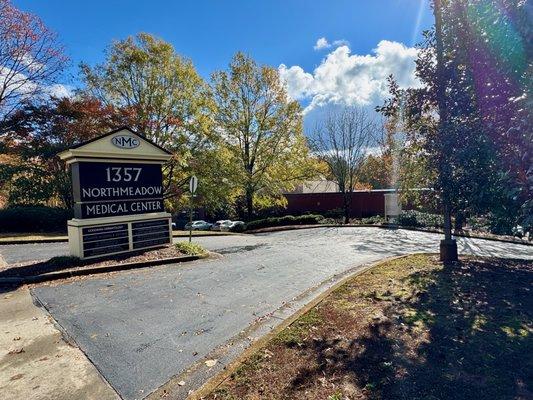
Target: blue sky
(273,32)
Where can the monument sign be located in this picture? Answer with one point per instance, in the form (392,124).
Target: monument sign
(118,195)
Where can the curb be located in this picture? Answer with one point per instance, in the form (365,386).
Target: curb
(406,228)
(52,276)
(215,381)
(64,239)
(33,241)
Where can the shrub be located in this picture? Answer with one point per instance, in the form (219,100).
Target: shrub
(420,219)
(238,228)
(191,249)
(373,220)
(336,213)
(408,218)
(479,223)
(34,219)
(309,219)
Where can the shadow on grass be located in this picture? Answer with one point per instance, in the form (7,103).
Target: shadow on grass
(464,332)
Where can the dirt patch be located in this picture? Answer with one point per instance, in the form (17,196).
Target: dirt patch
(407,329)
(72,263)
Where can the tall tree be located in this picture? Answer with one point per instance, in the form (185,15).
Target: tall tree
(262,128)
(169,102)
(342,140)
(35,134)
(479,148)
(30,58)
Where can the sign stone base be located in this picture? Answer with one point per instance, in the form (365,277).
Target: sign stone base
(98,237)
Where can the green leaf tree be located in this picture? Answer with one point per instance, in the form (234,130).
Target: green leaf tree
(479,151)
(262,130)
(169,102)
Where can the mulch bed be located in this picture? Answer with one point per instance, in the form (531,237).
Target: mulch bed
(70,263)
(408,329)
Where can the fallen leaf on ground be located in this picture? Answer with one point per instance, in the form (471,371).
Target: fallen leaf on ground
(210,363)
(17,351)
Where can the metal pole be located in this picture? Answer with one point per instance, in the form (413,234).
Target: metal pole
(190,218)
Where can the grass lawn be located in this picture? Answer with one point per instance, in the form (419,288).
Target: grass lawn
(406,329)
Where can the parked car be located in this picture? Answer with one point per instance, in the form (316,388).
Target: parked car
(198,226)
(219,225)
(237,226)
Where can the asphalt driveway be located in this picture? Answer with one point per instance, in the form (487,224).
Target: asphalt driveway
(140,328)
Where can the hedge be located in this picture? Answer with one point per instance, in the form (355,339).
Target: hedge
(34,219)
(310,219)
(419,219)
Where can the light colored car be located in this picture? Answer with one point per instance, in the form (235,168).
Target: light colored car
(198,226)
(233,226)
(221,225)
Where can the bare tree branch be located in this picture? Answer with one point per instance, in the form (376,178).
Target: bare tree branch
(30,58)
(341,141)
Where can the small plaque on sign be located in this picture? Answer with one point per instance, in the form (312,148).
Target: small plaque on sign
(113,239)
(150,233)
(107,239)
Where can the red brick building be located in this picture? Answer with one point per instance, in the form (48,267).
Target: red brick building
(364,203)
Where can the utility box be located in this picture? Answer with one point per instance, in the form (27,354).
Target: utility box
(392,206)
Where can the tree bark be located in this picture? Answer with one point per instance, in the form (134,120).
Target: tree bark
(346,206)
(249,203)
(448,248)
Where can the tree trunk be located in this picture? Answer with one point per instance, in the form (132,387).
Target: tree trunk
(346,206)
(448,246)
(460,219)
(249,203)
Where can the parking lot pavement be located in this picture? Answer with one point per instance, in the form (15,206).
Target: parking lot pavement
(140,328)
(16,253)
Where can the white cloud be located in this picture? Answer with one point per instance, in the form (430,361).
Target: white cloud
(17,84)
(59,90)
(352,79)
(341,42)
(297,81)
(321,43)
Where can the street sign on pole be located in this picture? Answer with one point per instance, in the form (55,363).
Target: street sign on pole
(193,184)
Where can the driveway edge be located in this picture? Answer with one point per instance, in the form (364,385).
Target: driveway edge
(173,387)
(229,369)
(94,270)
(406,228)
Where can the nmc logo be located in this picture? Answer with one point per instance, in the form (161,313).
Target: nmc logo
(125,141)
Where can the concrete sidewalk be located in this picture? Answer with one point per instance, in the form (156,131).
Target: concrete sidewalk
(35,361)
